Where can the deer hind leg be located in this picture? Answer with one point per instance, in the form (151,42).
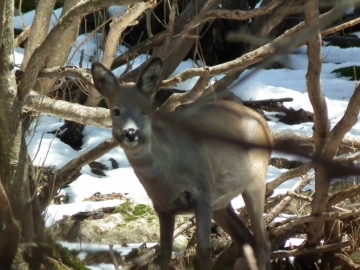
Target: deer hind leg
(254,198)
(167,224)
(203,215)
(227,219)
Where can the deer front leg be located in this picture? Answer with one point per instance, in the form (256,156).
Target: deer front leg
(203,215)
(167,224)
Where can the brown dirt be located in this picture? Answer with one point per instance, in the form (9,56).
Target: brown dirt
(98,197)
(98,168)
(291,117)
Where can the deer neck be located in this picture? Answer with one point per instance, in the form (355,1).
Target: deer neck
(146,157)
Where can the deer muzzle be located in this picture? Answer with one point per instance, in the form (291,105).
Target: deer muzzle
(130,135)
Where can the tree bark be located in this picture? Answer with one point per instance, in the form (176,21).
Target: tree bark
(39,28)
(321,120)
(58,54)
(14,162)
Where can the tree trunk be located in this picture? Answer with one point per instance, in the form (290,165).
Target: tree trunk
(14,162)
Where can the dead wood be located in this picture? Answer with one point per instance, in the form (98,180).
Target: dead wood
(99,117)
(318,249)
(96,214)
(275,211)
(299,224)
(22,37)
(343,195)
(118,26)
(267,101)
(340,27)
(347,260)
(302,170)
(112,255)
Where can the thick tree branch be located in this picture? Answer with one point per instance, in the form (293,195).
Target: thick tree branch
(2,18)
(340,27)
(118,26)
(66,71)
(39,28)
(77,163)
(345,124)
(99,117)
(9,245)
(22,37)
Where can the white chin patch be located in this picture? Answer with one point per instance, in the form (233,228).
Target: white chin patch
(131,144)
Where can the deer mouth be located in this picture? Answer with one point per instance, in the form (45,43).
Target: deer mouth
(131,137)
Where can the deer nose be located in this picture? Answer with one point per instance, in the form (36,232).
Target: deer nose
(130,134)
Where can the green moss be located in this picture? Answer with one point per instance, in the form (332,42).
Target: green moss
(58,253)
(131,211)
(352,72)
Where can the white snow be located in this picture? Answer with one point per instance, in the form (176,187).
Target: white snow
(47,150)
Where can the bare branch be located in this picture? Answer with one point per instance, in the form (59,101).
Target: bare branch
(275,211)
(291,39)
(280,228)
(348,120)
(66,71)
(142,47)
(242,14)
(180,99)
(303,169)
(98,151)
(340,27)
(39,28)
(37,59)
(74,112)
(22,37)
(66,174)
(318,249)
(350,264)
(343,195)
(118,26)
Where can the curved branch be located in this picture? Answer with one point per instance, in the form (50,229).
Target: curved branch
(118,26)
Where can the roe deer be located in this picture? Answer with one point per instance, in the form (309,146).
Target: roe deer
(192,160)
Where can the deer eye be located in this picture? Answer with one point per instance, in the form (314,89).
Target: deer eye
(116,112)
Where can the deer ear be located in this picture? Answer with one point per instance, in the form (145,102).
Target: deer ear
(151,77)
(104,80)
